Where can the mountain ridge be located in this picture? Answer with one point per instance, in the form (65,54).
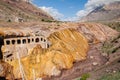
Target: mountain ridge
(108,12)
(13,10)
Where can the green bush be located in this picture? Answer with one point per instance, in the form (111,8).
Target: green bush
(84,77)
(107,48)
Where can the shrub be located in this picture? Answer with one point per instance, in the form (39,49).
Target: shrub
(110,46)
(113,76)
(84,77)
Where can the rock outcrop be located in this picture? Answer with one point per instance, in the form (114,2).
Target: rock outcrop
(96,32)
(6,70)
(68,46)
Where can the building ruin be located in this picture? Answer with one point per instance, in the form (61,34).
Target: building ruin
(21,45)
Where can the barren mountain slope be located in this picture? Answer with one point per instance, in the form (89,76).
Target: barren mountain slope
(20,10)
(109,12)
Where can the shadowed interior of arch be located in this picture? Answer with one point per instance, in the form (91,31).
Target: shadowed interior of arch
(37,40)
(24,41)
(8,42)
(18,41)
(13,41)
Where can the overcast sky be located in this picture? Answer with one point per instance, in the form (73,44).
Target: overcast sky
(69,10)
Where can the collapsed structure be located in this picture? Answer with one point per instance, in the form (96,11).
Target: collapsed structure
(35,57)
(26,43)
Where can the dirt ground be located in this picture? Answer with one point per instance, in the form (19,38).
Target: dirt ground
(93,61)
(109,69)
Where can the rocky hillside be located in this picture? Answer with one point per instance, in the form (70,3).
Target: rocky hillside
(21,11)
(69,46)
(109,12)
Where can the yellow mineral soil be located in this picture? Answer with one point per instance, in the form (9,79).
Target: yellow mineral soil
(68,46)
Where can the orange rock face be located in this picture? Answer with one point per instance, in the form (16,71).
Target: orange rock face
(68,46)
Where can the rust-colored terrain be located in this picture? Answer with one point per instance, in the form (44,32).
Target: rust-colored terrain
(69,47)
(55,50)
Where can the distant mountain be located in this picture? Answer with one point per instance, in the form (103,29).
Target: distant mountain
(108,12)
(21,10)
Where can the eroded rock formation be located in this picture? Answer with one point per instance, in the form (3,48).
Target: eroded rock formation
(6,70)
(68,46)
(96,32)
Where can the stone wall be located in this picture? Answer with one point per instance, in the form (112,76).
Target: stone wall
(22,46)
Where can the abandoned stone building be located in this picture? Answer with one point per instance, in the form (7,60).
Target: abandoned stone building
(22,46)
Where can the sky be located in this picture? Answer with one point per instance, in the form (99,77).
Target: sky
(69,10)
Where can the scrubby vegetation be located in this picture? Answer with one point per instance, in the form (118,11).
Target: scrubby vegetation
(114,25)
(111,46)
(112,76)
(84,77)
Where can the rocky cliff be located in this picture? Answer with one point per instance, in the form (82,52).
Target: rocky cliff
(68,45)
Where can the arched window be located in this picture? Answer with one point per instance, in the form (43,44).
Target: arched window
(44,40)
(41,39)
(7,42)
(32,40)
(18,41)
(24,41)
(13,41)
(37,40)
(28,40)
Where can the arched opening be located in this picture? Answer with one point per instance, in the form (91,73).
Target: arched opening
(32,40)
(13,41)
(24,41)
(8,42)
(37,40)
(18,41)
(41,39)
(44,40)
(28,40)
